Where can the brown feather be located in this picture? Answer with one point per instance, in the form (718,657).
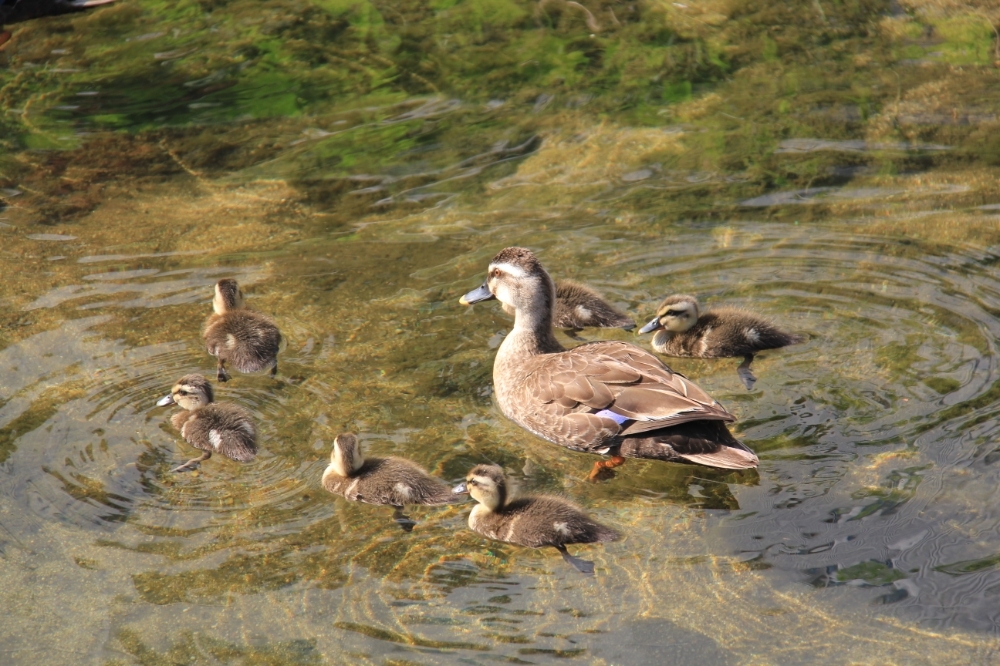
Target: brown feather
(389,481)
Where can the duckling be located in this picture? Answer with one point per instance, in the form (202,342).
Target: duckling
(607,398)
(683,330)
(239,335)
(15,11)
(534,521)
(217,427)
(383,481)
(579,306)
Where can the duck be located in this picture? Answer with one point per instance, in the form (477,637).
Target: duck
(606,397)
(534,521)
(383,481)
(213,427)
(234,333)
(683,330)
(15,11)
(579,306)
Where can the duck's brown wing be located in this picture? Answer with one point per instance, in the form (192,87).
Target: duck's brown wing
(223,428)
(602,390)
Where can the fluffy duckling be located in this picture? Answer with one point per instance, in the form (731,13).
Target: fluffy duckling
(15,11)
(579,306)
(683,330)
(238,335)
(213,427)
(384,481)
(534,521)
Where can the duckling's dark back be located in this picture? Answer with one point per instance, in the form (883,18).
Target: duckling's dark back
(219,428)
(390,481)
(244,338)
(728,332)
(542,521)
(578,306)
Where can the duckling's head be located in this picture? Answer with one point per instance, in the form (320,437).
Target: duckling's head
(190,392)
(487,484)
(227,296)
(677,313)
(516,279)
(346,458)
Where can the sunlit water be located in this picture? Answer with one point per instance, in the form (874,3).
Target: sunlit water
(869,534)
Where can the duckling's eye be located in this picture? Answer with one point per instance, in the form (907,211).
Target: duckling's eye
(182,392)
(495,273)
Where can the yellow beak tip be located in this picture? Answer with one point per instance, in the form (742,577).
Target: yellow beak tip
(462,301)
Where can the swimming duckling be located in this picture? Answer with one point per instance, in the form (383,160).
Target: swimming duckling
(213,427)
(384,481)
(15,11)
(579,307)
(235,333)
(535,521)
(683,330)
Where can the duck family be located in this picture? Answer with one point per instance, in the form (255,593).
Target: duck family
(607,398)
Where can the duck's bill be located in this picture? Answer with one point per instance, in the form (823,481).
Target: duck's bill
(461,489)
(477,295)
(165,400)
(651,326)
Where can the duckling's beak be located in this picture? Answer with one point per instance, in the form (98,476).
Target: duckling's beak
(461,489)
(165,400)
(650,327)
(477,295)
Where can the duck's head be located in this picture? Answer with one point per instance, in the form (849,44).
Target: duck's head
(516,279)
(487,484)
(677,313)
(228,296)
(190,392)
(346,458)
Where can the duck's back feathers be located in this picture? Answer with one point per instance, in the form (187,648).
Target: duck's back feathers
(539,521)
(246,339)
(586,397)
(389,481)
(724,333)
(219,428)
(578,306)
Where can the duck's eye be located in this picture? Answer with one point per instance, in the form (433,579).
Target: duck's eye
(182,392)
(495,273)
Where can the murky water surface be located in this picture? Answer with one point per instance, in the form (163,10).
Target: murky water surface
(355,165)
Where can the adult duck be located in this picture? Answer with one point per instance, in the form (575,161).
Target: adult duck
(609,397)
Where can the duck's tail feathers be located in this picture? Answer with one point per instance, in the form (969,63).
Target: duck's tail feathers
(727,457)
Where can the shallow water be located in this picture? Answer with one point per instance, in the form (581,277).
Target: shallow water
(837,174)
